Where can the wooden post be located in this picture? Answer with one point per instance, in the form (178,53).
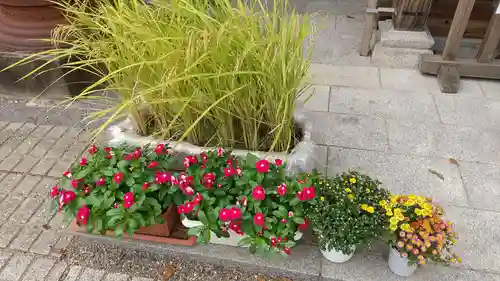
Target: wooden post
(370,21)
(411,14)
(491,38)
(457,29)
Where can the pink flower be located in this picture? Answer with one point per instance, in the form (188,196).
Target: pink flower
(127,204)
(220,151)
(128,197)
(188,160)
(188,207)
(235,213)
(287,251)
(128,157)
(159,149)
(137,154)
(284,221)
(67,174)
(100,182)
(281,190)
(290,214)
(83,162)
(92,149)
(278,162)
(229,172)
(68,196)
(54,191)
(239,172)
(153,165)
(82,215)
(262,166)
(180,209)
(118,177)
(145,186)
(224,214)
(115,205)
(197,199)
(258,193)
(307,193)
(259,219)
(305,225)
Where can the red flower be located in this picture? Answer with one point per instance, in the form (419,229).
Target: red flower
(180,209)
(83,162)
(204,156)
(92,149)
(87,190)
(128,197)
(262,166)
(67,174)
(54,191)
(118,177)
(82,215)
(281,190)
(229,172)
(197,199)
(74,183)
(235,213)
(220,151)
(274,241)
(305,225)
(153,165)
(224,215)
(278,162)
(258,193)
(100,182)
(165,177)
(187,190)
(188,207)
(188,160)
(127,204)
(258,219)
(309,193)
(239,171)
(284,221)
(109,156)
(68,196)
(145,186)
(137,154)
(236,227)
(128,157)
(115,205)
(159,149)
(107,149)
(287,251)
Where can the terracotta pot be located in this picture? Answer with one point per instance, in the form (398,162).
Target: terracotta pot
(162,230)
(24,22)
(177,233)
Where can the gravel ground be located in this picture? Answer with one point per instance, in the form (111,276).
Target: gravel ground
(161,267)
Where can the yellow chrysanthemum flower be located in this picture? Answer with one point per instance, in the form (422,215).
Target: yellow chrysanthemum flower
(420,200)
(425,213)
(393,220)
(352,180)
(364,206)
(389,213)
(350,196)
(394,227)
(322,198)
(427,206)
(398,211)
(406,227)
(400,216)
(370,210)
(409,202)
(348,190)
(382,203)
(412,196)
(418,211)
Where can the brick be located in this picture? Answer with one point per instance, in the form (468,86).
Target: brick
(3,124)
(4,257)
(10,162)
(63,242)
(43,166)
(43,245)
(8,207)
(40,131)
(26,186)
(90,274)
(57,222)
(2,175)
(39,269)
(9,131)
(16,141)
(116,277)
(57,271)
(43,215)
(8,232)
(26,238)
(142,279)
(26,210)
(63,143)
(73,273)
(8,183)
(16,267)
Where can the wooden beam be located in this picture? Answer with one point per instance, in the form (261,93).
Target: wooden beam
(370,21)
(449,79)
(411,14)
(431,64)
(489,45)
(457,29)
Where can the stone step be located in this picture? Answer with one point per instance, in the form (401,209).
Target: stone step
(389,37)
(305,263)
(397,57)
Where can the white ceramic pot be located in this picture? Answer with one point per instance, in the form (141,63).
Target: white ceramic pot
(233,239)
(338,256)
(399,265)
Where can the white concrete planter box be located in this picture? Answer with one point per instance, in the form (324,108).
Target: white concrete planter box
(301,159)
(233,239)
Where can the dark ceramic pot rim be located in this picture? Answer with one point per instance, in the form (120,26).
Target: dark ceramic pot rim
(26,3)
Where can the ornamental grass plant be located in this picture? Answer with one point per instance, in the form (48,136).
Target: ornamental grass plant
(347,214)
(213,73)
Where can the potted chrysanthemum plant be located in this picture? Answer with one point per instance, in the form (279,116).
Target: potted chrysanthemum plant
(245,201)
(418,233)
(347,215)
(126,189)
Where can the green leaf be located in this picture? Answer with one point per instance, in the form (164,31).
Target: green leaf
(206,236)
(248,227)
(119,231)
(83,173)
(219,193)
(288,244)
(203,218)
(163,191)
(130,181)
(122,165)
(107,172)
(114,212)
(245,241)
(195,231)
(294,201)
(94,201)
(298,220)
